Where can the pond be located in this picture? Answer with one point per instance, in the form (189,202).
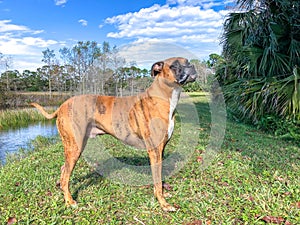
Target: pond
(14,139)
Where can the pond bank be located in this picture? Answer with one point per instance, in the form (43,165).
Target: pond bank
(16,118)
(13,140)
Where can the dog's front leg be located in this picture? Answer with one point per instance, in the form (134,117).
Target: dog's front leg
(155,156)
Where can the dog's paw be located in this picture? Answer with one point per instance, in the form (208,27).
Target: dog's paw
(167,195)
(168,208)
(72,204)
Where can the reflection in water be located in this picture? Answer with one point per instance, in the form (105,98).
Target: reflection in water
(12,140)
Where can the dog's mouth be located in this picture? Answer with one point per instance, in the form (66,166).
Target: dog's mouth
(192,78)
(188,74)
(184,72)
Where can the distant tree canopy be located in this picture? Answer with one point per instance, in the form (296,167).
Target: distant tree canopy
(87,67)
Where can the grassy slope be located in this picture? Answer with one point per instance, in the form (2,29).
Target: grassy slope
(253,179)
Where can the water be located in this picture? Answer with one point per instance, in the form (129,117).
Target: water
(12,140)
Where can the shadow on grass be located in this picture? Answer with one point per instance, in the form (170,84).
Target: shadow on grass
(91,179)
(112,160)
(138,168)
(132,170)
(261,152)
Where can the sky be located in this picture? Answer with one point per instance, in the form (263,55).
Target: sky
(145,31)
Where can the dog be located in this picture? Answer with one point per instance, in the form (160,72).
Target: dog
(144,121)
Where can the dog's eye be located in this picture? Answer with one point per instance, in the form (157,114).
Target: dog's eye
(188,64)
(176,69)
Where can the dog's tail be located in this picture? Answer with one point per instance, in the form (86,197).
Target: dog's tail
(45,114)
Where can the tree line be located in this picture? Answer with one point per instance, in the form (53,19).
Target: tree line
(86,67)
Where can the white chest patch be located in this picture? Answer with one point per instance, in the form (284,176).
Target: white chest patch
(173,103)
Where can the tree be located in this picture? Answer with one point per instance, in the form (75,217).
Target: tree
(203,71)
(6,62)
(261,48)
(79,59)
(103,64)
(49,59)
(214,60)
(11,80)
(1,59)
(117,63)
(71,79)
(32,81)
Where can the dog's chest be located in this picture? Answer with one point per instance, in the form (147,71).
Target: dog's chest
(173,103)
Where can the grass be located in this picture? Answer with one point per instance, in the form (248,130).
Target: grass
(253,179)
(19,117)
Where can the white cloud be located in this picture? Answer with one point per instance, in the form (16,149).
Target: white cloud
(165,21)
(83,22)
(6,26)
(60,2)
(23,45)
(37,42)
(192,24)
(26,52)
(17,39)
(205,4)
(147,51)
(37,31)
(185,24)
(31,63)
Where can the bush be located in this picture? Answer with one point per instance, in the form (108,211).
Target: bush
(5,97)
(192,87)
(284,128)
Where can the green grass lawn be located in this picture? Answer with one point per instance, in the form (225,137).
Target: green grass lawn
(252,179)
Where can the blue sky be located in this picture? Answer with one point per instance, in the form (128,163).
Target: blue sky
(144,30)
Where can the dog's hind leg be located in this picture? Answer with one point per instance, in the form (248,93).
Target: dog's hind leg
(72,154)
(72,151)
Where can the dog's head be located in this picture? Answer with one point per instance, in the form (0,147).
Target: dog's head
(178,70)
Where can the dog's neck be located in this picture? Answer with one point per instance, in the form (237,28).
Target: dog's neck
(163,88)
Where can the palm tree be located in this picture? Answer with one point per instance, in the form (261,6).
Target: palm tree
(261,47)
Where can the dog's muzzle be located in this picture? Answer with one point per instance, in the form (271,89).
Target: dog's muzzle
(188,74)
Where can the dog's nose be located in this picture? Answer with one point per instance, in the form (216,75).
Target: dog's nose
(193,73)
(193,76)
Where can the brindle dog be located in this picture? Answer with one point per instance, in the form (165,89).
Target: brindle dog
(143,121)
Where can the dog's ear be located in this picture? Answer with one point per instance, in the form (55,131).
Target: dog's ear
(156,68)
